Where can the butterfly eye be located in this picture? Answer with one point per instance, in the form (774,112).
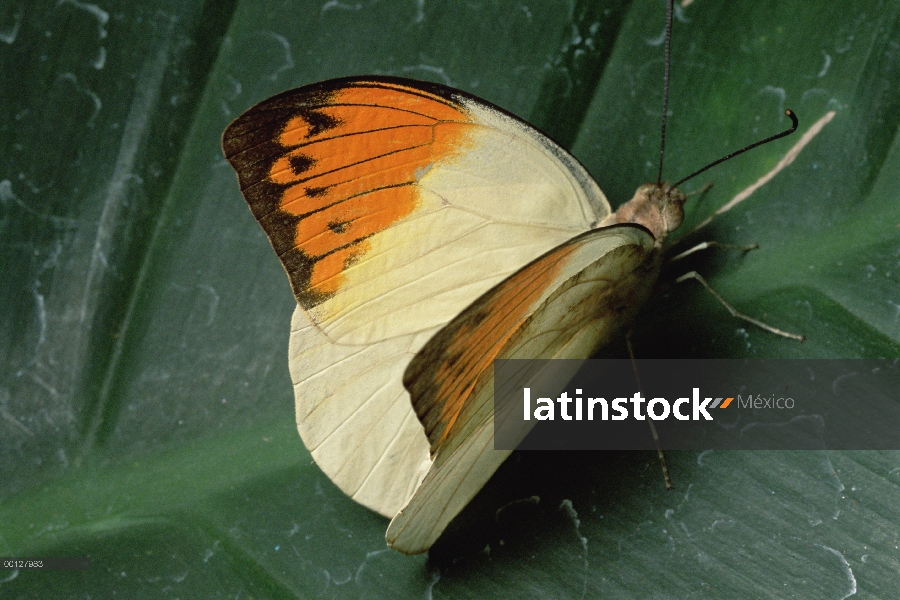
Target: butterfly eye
(673,211)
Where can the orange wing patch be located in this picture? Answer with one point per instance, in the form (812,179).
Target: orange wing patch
(327,167)
(440,388)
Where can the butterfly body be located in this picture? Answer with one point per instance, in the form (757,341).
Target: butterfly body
(425,234)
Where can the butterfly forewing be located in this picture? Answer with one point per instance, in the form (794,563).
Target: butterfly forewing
(392,205)
(565,304)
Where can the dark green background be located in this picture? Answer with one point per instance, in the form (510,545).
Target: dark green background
(146,413)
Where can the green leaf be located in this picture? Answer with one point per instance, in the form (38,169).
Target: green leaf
(145,405)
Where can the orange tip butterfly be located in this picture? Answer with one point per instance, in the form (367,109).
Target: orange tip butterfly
(427,233)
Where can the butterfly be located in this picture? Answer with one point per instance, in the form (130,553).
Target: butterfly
(426,233)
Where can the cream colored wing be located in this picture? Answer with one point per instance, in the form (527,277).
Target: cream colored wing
(566,304)
(392,204)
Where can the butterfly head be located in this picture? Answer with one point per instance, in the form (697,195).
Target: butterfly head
(659,208)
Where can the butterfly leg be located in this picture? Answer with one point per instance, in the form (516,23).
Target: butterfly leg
(699,191)
(659,451)
(734,312)
(705,245)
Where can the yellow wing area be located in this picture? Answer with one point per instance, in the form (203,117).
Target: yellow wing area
(566,304)
(392,204)
(354,415)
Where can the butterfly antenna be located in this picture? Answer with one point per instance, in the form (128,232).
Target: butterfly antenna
(665,109)
(794,124)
